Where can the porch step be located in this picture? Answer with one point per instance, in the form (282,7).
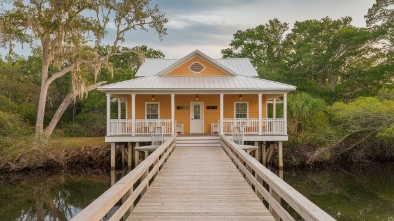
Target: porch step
(198,141)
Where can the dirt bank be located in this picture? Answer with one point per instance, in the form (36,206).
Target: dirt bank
(91,157)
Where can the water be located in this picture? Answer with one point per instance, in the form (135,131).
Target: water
(358,193)
(48,197)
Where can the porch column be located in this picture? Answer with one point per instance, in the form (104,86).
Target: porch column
(119,110)
(221,113)
(173,114)
(260,114)
(108,112)
(133,115)
(274,109)
(285,113)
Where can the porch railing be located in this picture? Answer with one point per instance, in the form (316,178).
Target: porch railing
(250,126)
(122,127)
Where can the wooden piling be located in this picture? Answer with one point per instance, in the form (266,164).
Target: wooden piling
(113,152)
(280,155)
(129,160)
(264,150)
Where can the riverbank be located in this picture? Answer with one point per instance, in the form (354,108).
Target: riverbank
(76,153)
(92,153)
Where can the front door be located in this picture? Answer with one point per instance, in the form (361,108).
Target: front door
(196,118)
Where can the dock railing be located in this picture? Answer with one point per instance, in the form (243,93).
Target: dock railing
(129,188)
(270,187)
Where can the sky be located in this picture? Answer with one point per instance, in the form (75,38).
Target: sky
(209,25)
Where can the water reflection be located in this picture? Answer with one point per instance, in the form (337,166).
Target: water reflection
(48,197)
(357,193)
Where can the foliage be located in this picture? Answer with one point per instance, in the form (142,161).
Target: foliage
(307,121)
(262,45)
(69,35)
(333,55)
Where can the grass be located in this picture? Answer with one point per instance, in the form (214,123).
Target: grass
(76,142)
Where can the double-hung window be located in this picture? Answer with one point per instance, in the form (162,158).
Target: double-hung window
(241,110)
(152,110)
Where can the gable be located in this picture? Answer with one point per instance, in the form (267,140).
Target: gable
(208,68)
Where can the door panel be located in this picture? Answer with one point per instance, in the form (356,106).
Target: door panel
(196,118)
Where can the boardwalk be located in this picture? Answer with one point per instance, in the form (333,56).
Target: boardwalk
(199,183)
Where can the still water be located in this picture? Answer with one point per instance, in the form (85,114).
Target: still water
(358,193)
(48,197)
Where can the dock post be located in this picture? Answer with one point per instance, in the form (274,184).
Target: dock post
(113,152)
(256,152)
(129,149)
(137,154)
(280,153)
(264,153)
(123,154)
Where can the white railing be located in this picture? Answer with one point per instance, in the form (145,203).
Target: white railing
(128,189)
(122,127)
(271,188)
(250,126)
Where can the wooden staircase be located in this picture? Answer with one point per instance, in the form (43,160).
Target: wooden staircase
(198,141)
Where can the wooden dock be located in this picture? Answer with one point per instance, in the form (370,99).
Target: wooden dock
(200,183)
(203,178)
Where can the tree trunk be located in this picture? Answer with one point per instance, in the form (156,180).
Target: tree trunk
(63,107)
(41,107)
(44,87)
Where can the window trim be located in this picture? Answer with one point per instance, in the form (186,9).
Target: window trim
(197,72)
(247,109)
(158,109)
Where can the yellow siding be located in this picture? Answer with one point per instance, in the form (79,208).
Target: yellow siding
(210,116)
(184,70)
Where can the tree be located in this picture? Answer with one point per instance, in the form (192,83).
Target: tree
(262,45)
(70,34)
(327,53)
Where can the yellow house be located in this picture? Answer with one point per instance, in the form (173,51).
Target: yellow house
(196,95)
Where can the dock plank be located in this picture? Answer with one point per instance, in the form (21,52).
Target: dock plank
(200,183)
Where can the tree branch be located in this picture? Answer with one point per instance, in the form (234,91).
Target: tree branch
(63,107)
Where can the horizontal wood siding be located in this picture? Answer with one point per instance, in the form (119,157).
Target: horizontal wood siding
(210,115)
(251,99)
(184,70)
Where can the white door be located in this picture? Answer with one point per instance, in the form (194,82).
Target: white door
(196,118)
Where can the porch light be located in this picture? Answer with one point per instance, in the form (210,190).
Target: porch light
(196,97)
(240,97)
(153,97)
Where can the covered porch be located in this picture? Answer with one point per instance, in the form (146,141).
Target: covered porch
(140,115)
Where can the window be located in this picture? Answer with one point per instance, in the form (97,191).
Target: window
(241,110)
(152,111)
(196,67)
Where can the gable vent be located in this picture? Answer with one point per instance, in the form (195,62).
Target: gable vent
(196,67)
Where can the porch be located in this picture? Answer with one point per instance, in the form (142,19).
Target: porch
(254,115)
(145,127)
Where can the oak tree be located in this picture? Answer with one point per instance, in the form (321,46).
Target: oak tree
(69,34)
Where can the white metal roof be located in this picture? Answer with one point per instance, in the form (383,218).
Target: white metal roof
(199,83)
(233,66)
(242,77)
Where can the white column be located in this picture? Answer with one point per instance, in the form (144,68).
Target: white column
(221,113)
(260,114)
(173,114)
(285,112)
(108,113)
(127,109)
(133,115)
(119,110)
(274,109)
